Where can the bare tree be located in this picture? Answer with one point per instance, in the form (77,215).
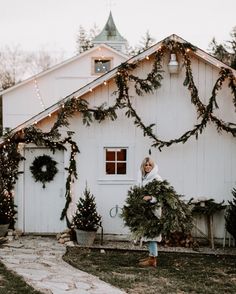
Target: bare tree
(17,65)
(42,60)
(11,66)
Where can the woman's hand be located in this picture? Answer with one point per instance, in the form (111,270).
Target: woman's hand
(147,198)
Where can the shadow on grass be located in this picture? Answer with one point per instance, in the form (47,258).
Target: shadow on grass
(176,272)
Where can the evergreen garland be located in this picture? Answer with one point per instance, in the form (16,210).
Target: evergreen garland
(41,175)
(205,113)
(210,207)
(152,81)
(230,216)
(139,216)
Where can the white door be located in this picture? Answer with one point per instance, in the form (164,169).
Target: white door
(43,206)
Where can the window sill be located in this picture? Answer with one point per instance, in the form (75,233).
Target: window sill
(114,181)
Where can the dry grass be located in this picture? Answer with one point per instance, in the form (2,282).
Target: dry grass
(11,283)
(177,272)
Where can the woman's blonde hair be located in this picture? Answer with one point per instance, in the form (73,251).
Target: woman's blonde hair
(146,160)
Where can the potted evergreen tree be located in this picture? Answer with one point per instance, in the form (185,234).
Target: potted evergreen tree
(86,220)
(8,176)
(230,216)
(7,211)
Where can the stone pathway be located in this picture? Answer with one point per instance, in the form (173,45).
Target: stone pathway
(39,261)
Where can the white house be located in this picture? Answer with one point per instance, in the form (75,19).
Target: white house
(188,115)
(37,93)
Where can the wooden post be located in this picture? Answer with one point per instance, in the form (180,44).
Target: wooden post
(210,230)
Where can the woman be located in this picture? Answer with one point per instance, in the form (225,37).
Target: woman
(148,173)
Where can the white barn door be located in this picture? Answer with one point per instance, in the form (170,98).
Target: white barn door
(43,206)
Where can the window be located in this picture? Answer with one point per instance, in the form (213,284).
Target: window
(116,161)
(102,65)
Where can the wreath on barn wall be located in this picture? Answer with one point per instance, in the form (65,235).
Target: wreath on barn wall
(52,139)
(44,169)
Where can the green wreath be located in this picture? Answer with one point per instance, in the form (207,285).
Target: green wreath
(37,169)
(138,214)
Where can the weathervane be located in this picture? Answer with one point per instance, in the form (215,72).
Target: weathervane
(110,3)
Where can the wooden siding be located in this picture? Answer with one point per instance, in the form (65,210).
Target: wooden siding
(199,168)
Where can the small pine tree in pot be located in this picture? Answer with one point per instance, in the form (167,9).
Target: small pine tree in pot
(86,220)
(230,216)
(8,176)
(7,211)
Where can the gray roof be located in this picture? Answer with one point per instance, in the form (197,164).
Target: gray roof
(109,32)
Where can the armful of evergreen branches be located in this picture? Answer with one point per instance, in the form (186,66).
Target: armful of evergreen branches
(139,215)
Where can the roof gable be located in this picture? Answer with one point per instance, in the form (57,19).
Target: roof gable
(111,74)
(62,64)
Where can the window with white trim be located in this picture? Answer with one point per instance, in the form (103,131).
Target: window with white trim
(115,161)
(102,65)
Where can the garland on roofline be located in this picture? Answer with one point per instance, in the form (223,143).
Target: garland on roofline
(123,77)
(205,112)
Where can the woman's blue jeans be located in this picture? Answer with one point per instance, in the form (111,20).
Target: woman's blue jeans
(152,247)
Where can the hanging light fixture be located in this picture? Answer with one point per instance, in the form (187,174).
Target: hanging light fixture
(173,65)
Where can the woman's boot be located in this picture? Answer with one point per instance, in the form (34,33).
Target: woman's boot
(151,261)
(144,259)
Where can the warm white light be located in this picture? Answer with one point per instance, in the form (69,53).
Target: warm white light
(173,65)
(38,94)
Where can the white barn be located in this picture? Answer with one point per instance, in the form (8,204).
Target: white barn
(111,150)
(37,93)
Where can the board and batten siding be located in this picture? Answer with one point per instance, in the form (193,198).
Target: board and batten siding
(199,168)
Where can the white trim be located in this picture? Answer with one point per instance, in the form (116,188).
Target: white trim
(126,179)
(65,62)
(116,181)
(111,74)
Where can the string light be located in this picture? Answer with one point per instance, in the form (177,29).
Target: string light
(39,94)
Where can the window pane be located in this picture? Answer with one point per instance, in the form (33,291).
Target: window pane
(102,66)
(121,168)
(110,168)
(110,155)
(121,155)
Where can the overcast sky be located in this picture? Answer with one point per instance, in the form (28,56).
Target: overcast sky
(53,24)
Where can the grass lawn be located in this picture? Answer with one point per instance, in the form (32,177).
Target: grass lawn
(11,283)
(177,272)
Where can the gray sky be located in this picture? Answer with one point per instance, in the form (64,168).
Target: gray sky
(53,24)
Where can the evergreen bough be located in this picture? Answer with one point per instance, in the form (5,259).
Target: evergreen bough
(139,217)
(230,216)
